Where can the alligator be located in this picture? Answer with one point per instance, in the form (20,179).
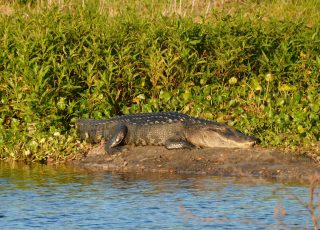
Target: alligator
(170,129)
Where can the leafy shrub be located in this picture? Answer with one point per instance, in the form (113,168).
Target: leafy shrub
(56,64)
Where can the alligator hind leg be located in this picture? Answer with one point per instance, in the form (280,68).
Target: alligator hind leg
(178,144)
(113,144)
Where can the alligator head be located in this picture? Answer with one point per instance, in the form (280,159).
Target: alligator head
(218,135)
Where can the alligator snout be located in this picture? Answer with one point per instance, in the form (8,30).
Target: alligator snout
(254,140)
(243,141)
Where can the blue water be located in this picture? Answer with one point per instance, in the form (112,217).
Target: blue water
(47,197)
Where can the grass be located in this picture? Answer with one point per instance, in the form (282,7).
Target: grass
(254,65)
(312,205)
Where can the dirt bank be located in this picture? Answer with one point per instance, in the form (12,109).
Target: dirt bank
(257,162)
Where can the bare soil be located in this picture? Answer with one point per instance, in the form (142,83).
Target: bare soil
(256,162)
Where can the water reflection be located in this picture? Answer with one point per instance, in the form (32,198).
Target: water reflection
(60,197)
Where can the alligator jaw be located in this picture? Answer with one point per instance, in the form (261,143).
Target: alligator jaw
(219,136)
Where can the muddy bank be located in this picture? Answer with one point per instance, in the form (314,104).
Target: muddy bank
(256,162)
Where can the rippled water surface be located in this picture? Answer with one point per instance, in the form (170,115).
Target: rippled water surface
(46,197)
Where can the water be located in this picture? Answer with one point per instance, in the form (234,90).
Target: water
(44,197)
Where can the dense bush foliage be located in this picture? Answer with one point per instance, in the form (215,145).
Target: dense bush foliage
(260,75)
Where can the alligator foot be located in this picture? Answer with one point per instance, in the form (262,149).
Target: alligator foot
(113,145)
(178,144)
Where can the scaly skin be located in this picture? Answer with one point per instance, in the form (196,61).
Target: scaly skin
(170,129)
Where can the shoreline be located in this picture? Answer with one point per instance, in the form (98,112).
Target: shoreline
(255,162)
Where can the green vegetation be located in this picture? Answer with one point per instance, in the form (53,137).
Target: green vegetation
(254,65)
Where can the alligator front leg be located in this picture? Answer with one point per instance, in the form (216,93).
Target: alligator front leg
(178,144)
(113,144)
